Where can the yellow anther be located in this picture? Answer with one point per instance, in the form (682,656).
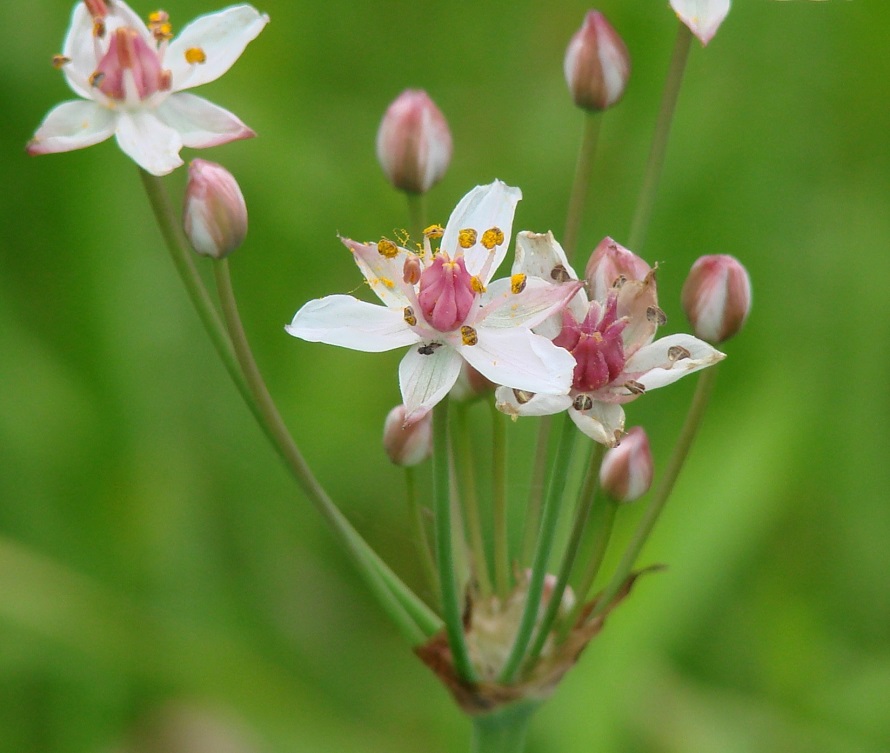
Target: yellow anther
(195,55)
(158,17)
(476,285)
(410,319)
(387,248)
(467,237)
(59,61)
(433,232)
(96,78)
(517,283)
(468,335)
(492,237)
(99,28)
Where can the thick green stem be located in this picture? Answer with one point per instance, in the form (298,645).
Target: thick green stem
(503,731)
(499,500)
(424,552)
(654,166)
(663,491)
(558,475)
(452,601)
(417,213)
(581,183)
(536,490)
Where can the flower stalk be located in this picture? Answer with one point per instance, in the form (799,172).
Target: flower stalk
(581,182)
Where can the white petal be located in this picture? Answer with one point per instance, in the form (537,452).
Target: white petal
(72,125)
(539,404)
(222,36)
(539,254)
(201,123)
(501,307)
(483,208)
(604,422)
(703,17)
(652,365)
(425,378)
(385,276)
(516,357)
(151,144)
(345,321)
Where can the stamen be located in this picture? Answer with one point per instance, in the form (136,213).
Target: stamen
(468,335)
(466,238)
(678,353)
(428,349)
(433,231)
(522,396)
(387,248)
(560,274)
(618,282)
(410,319)
(96,79)
(492,237)
(582,402)
(655,314)
(165,80)
(411,270)
(635,388)
(99,28)
(59,61)
(195,55)
(517,283)
(476,285)
(160,26)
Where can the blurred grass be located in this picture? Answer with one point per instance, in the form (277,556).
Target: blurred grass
(151,547)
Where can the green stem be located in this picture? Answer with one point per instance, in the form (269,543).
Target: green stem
(452,603)
(582,511)
(499,500)
(416,620)
(558,475)
(503,731)
(417,214)
(536,489)
(663,491)
(581,182)
(657,153)
(415,512)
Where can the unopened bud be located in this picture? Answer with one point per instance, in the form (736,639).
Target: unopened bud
(414,142)
(703,17)
(626,472)
(215,215)
(597,64)
(717,297)
(407,444)
(610,266)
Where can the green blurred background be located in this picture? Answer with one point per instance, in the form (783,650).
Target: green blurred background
(158,570)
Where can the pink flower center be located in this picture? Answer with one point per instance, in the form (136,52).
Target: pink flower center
(129,56)
(446,293)
(596,344)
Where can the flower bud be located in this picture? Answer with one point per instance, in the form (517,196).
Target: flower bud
(597,64)
(703,17)
(214,216)
(407,443)
(717,297)
(626,472)
(610,264)
(414,142)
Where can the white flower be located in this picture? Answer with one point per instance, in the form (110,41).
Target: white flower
(442,305)
(132,79)
(610,339)
(703,17)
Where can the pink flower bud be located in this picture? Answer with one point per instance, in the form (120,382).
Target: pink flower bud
(703,17)
(626,472)
(609,265)
(717,297)
(414,142)
(407,444)
(214,216)
(597,64)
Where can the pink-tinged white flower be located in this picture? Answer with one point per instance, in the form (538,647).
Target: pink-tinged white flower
(627,470)
(717,297)
(703,17)
(610,339)
(597,64)
(444,306)
(132,78)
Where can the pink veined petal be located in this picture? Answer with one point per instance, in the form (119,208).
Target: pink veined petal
(703,17)
(345,321)
(200,123)
(603,423)
(501,307)
(72,125)
(150,143)
(222,36)
(659,363)
(483,208)
(426,377)
(385,276)
(539,404)
(516,357)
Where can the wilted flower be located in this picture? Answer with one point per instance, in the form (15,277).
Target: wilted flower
(132,76)
(703,17)
(717,297)
(407,443)
(626,472)
(214,216)
(597,64)
(414,142)
(443,306)
(611,341)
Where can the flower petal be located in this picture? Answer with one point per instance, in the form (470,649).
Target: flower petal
(483,208)
(638,301)
(384,275)
(151,144)
(425,376)
(72,125)
(540,255)
(533,404)
(345,321)
(516,357)
(703,17)
(200,123)
(665,361)
(501,307)
(222,36)
(604,422)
